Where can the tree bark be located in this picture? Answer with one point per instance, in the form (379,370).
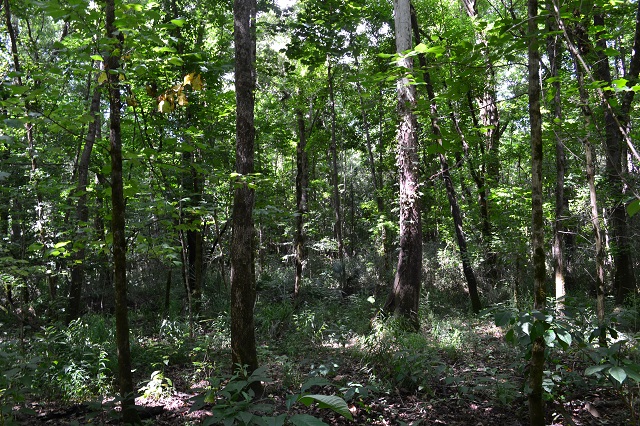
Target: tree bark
(243,281)
(536,364)
(404,297)
(112,66)
(302,184)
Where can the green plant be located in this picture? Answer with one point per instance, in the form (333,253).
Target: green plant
(618,365)
(157,386)
(235,402)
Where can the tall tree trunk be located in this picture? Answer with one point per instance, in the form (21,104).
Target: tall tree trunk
(112,66)
(490,169)
(536,364)
(623,277)
(553,53)
(404,297)
(337,224)
(302,184)
(467,269)
(243,280)
(82,212)
(593,203)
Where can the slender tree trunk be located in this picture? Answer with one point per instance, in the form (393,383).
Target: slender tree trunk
(302,184)
(405,294)
(490,170)
(112,66)
(337,224)
(467,269)
(553,53)
(82,212)
(593,203)
(536,364)
(243,281)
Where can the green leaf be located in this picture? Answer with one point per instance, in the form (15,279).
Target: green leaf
(633,207)
(274,421)
(332,402)
(61,244)
(178,22)
(97,58)
(549,337)
(618,374)
(595,369)
(306,420)
(502,318)
(314,381)
(564,336)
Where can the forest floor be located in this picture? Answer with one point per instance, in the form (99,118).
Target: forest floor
(458,371)
(478,382)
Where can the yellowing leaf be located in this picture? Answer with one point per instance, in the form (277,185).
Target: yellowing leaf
(121,77)
(102,77)
(182,99)
(197,83)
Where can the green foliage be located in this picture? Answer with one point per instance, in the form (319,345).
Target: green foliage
(157,386)
(234,402)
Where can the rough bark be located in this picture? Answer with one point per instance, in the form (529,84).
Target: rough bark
(302,184)
(467,269)
(129,413)
(405,294)
(243,282)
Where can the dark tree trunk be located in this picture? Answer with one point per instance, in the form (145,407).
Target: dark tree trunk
(537,361)
(624,282)
(129,413)
(337,223)
(82,212)
(243,282)
(490,168)
(467,269)
(302,184)
(404,297)
(553,46)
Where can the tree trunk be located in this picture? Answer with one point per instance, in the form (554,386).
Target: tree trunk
(243,281)
(404,297)
(302,184)
(624,282)
(536,364)
(337,224)
(82,212)
(129,413)
(490,169)
(553,53)
(467,269)
(593,203)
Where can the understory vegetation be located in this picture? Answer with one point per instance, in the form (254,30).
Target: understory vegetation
(458,366)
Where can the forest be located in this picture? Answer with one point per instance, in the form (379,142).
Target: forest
(299,212)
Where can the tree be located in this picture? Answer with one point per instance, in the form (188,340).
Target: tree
(536,364)
(112,68)
(472,284)
(243,284)
(405,295)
